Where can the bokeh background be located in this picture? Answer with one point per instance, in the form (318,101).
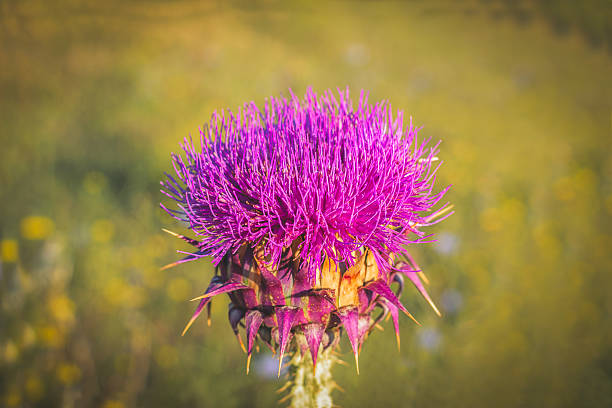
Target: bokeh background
(94,97)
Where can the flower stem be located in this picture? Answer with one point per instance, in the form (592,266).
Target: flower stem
(312,388)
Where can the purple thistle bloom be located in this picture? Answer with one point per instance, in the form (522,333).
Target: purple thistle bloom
(307,209)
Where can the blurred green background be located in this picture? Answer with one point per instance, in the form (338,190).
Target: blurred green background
(93,98)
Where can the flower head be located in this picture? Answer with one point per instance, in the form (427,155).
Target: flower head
(307,208)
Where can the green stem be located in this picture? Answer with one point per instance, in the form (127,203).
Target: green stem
(310,388)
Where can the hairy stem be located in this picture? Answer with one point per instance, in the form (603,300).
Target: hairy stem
(312,388)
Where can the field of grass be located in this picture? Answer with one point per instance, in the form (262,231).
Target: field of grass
(94,98)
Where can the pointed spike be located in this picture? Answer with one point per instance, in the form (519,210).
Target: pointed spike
(342,362)
(208,310)
(170,265)
(184,238)
(203,302)
(357,362)
(350,320)
(397,338)
(284,387)
(382,288)
(170,232)
(280,364)
(414,277)
(423,276)
(248,365)
(338,387)
(252,323)
(225,288)
(285,317)
(393,313)
(407,313)
(241,342)
(314,334)
(214,283)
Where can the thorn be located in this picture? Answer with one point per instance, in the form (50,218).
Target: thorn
(248,363)
(379,327)
(170,265)
(171,233)
(412,317)
(200,297)
(433,306)
(285,398)
(208,309)
(280,364)
(338,387)
(357,362)
(422,275)
(188,326)
(397,338)
(241,343)
(284,387)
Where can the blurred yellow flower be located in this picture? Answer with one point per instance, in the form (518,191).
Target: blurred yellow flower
(102,231)
(28,337)
(50,336)
(34,388)
(68,373)
(564,189)
(36,227)
(10,352)
(119,292)
(61,308)
(113,404)
(12,399)
(9,250)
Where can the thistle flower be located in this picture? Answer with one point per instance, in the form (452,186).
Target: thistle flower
(307,208)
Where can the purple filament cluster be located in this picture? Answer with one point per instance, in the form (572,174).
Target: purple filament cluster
(318,170)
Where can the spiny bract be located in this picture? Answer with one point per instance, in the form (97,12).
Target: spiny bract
(307,209)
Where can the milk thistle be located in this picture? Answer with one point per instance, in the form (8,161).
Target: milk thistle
(307,208)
